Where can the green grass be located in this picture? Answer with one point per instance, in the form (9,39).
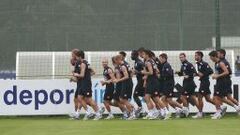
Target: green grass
(230,125)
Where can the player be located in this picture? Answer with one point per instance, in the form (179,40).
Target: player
(221,55)
(167,83)
(204,71)
(222,83)
(74,62)
(108,82)
(85,86)
(127,85)
(139,89)
(117,91)
(152,92)
(188,72)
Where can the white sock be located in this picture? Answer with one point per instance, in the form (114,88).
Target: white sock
(125,113)
(177,109)
(98,114)
(162,111)
(77,113)
(185,108)
(151,112)
(236,107)
(88,111)
(166,110)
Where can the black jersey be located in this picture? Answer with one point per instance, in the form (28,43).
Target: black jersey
(139,66)
(224,60)
(154,66)
(106,74)
(187,69)
(205,69)
(219,70)
(87,74)
(166,72)
(127,68)
(160,66)
(77,67)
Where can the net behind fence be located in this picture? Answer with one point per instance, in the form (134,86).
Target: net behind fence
(56,65)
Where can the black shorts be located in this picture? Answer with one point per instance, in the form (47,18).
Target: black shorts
(223,87)
(116,93)
(160,86)
(189,87)
(204,88)
(108,95)
(168,87)
(85,88)
(229,87)
(139,89)
(126,92)
(152,85)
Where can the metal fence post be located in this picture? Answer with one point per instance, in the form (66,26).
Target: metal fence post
(217,23)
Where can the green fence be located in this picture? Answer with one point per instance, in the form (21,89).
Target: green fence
(101,25)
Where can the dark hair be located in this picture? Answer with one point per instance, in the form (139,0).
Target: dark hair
(199,53)
(124,54)
(164,55)
(222,51)
(152,54)
(148,52)
(182,54)
(213,54)
(81,54)
(134,54)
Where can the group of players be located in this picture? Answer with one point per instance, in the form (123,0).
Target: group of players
(155,84)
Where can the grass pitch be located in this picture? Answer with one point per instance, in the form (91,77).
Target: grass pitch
(229,125)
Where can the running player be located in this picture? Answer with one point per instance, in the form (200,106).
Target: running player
(221,55)
(152,92)
(108,82)
(85,86)
(222,81)
(139,89)
(118,88)
(127,85)
(167,83)
(188,72)
(204,71)
(74,62)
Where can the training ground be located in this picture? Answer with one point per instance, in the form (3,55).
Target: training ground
(61,125)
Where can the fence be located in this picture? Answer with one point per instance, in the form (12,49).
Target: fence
(56,65)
